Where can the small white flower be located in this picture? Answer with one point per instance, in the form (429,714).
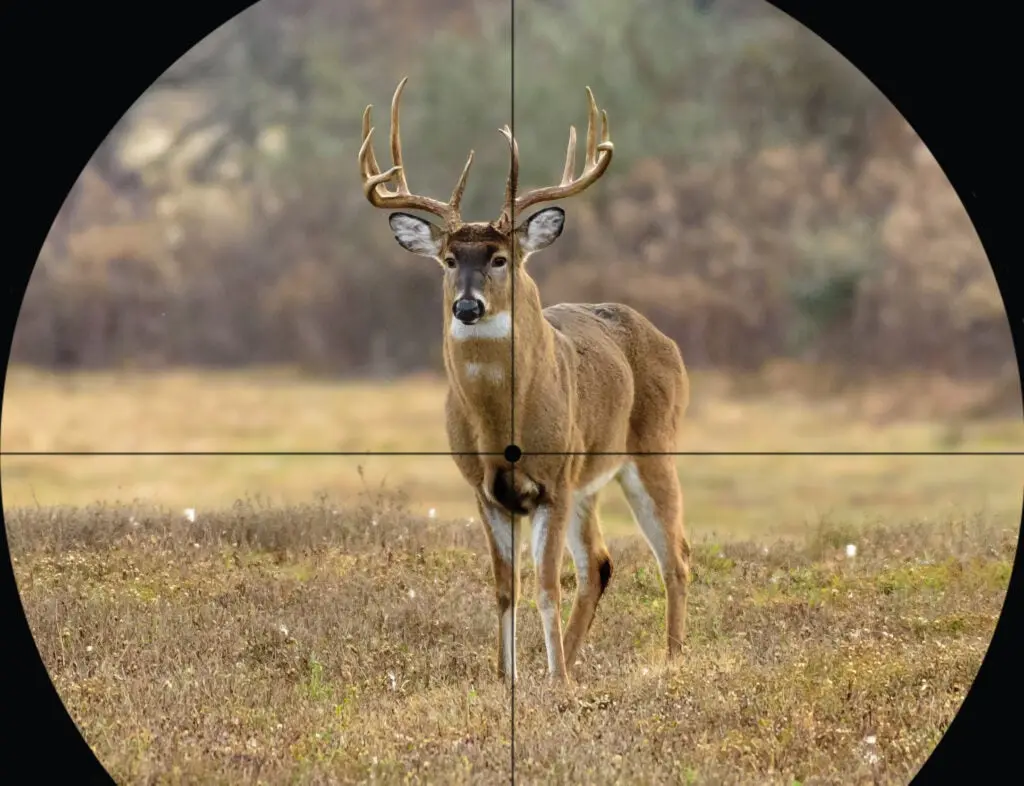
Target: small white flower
(869,753)
(412,593)
(432,513)
(373,522)
(851,550)
(283,629)
(190,514)
(89,648)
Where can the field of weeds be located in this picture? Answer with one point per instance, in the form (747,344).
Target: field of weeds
(317,644)
(275,410)
(330,619)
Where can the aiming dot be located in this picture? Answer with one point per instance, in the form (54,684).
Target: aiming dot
(513,453)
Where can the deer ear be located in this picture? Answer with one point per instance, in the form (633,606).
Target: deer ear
(541,229)
(416,234)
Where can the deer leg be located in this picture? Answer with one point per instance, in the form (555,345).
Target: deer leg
(501,537)
(651,486)
(548,541)
(593,572)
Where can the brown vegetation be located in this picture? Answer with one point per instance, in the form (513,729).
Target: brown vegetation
(274,410)
(885,260)
(709,252)
(313,644)
(765,201)
(351,639)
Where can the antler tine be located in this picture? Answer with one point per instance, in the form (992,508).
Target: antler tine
(570,158)
(367,163)
(591,130)
(598,157)
(512,184)
(372,176)
(374,180)
(460,186)
(402,184)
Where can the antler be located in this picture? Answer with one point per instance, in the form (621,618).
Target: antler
(599,156)
(374,180)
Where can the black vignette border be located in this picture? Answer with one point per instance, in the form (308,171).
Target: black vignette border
(61,67)
(946,69)
(77,70)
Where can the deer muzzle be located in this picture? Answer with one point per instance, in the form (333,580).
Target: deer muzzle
(468,310)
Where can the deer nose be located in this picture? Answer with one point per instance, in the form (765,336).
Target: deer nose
(468,310)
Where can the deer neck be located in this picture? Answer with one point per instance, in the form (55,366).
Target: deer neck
(542,400)
(478,361)
(536,363)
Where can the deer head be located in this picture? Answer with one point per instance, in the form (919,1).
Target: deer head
(480,259)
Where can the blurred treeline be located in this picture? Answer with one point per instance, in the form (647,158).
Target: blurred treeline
(765,200)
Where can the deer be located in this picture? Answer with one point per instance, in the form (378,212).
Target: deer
(546,405)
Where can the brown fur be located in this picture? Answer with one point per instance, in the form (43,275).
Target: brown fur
(589,379)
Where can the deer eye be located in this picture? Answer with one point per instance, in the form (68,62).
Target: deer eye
(450,262)
(498,262)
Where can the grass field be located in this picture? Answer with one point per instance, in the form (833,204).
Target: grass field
(310,645)
(314,624)
(277,411)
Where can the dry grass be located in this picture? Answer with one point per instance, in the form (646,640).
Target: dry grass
(276,410)
(322,645)
(351,639)
(284,642)
(800,666)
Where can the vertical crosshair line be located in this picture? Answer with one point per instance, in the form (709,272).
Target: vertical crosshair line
(512,387)
(512,215)
(512,645)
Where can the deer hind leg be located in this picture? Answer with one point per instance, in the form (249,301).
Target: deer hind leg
(548,542)
(593,572)
(501,536)
(651,486)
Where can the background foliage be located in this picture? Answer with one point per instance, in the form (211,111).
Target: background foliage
(765,200)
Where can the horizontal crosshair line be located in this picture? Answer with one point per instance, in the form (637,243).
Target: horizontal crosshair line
(398,453)
(779,453)
(206,453)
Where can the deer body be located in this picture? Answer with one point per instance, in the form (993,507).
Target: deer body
(590,393)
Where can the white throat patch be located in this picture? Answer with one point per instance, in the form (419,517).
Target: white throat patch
(497,326)
(492,372)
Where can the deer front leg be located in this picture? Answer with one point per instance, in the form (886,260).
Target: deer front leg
(501,536)
(548,541)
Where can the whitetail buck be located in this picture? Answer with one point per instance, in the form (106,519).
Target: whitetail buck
(583,390)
